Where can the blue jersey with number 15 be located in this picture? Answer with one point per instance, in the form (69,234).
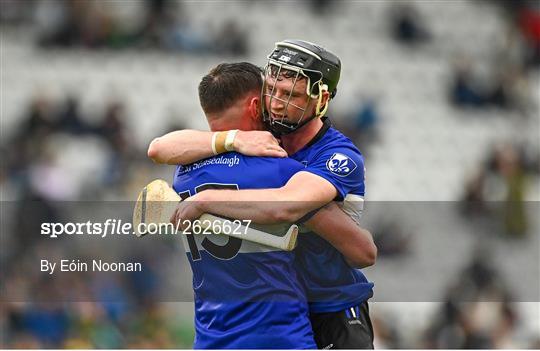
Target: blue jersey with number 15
(246,295)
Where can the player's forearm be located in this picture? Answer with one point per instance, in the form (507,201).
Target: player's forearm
(187,146)
(354,242)
(265,206)
(181,147)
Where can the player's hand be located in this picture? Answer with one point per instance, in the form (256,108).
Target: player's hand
(186,211)
(258,143)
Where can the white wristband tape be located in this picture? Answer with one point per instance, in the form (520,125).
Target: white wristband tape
(229,141)
(214,143)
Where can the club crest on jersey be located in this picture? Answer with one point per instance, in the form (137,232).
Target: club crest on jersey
(341,165)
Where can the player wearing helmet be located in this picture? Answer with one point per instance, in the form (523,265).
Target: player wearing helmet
(300,80)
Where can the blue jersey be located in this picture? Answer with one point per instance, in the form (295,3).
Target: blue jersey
(246,295)
(331,284)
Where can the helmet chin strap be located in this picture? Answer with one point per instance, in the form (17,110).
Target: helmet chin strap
(282,128)
(318,111)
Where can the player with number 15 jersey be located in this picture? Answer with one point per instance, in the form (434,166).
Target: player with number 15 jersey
(246,295)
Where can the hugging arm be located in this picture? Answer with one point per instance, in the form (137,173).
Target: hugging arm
(181,147)
(186,146)
(264,206)
(288,204)
(354,242)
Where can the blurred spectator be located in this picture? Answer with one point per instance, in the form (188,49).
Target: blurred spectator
(78,23)
(70,119)
(25,146)
(157,21)
(391,239)
(322,7)
(511,90)
(529,23)
(464,89)
(406,25)
(362,124)
(112,127)
(523,17)
(509,166)
(507,89)
(473,200)
(499,191)
(39,120)
(29,214)
(231,40)
(47,322)
(166,27)
(367,121)
(113,130)
(476,313)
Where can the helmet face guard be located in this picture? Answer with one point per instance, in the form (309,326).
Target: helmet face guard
(278,71)
(296,61)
